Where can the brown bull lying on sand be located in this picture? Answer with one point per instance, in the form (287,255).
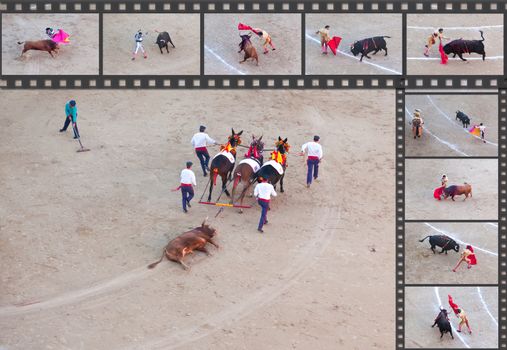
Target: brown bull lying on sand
(42,45)
(186,243)
(457,190)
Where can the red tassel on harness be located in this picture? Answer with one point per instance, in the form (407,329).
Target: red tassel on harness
(443,56)
(215,174)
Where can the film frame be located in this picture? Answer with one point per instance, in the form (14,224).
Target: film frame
(399,83)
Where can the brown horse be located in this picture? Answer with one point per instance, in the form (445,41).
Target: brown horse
(271,169)
(223,163)
(246,169)
(250,51)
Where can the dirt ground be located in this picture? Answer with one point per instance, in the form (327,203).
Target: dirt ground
(119,43)
(81,228)
(352,27)
(422,306)
(424,267)
(456,26)
(221,39)
(422,177)
(443,135)
(80,57)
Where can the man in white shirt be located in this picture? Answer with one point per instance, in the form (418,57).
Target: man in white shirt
(138,37)
(314,151)
(187,181)
(482,128)
(263,192)
(199,142)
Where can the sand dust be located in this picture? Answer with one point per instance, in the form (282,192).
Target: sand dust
(221,37)
(422,307)
(423,176)
(119,43)
(352,27)
(455,26)
(81,56)
(424,267)
(445,136)
(81,228)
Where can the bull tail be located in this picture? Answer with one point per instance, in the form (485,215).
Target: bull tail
(150,266)
(385,36)
(20,42)
(422,240)
(482,35)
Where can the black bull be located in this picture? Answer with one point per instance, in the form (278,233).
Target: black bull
(460,46)
(465,120)
(365,46)
(163,40)
(442,241)
(444,326)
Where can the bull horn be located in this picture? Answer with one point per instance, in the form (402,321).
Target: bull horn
(260,138)
(204,222)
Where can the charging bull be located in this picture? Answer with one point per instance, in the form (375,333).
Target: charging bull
(163,40)
(442,320)
(461,46)
(365,46)
(458,190)
(442,241)
(186,243)
(246,46)
(465,120)
(41,45)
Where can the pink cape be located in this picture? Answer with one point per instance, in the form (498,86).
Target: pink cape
(473,259)
(61,37)
(333,44)
(474,130)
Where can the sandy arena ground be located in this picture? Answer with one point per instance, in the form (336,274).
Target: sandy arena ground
(420,27)
(81,228)
(119,43)
(422,307)
(422,176)
(424,267)
(352,27)
(445,136)
(221,40)
(80,57)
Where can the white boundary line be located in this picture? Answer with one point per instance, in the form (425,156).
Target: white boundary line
(458,240)
(492,224)
(223,61)
(454,123)
(454,331)
(454,58)
(448,144)
(486,306)
(356,58)
(457,28)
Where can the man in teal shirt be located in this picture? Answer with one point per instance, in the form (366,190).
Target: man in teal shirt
(71,116)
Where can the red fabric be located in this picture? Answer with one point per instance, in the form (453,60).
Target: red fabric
(264,200)
(333,44)
(313,157)
(473,259)
(453,306)
(438,192)
(242,26)
(443,56)
(201,149)
(185,185)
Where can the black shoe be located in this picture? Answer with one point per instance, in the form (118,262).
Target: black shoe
(62,130)
(205,175)
(188,205)
(185,211)
(75,137)
(260,230)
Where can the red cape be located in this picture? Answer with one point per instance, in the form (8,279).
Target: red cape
(333,44)
(473,259)
(242,26)
(438,192)
(443,56)
(453,306)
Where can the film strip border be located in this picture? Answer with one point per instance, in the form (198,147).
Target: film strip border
(261,6)
(502,224)
(400,218)
(252,82)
